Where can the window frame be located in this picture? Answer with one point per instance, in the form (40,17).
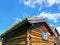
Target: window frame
(44,35)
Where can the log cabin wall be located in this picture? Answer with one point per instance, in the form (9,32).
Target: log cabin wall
(16,37)
(35,36)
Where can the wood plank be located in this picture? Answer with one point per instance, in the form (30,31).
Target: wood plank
(32,31)
(40,43)
(43,28)
(32,36)
(19,37)
(37,29)
(35,34)
(37,41)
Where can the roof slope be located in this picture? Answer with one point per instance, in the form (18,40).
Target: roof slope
(13,27)
(54,30)
(26,20)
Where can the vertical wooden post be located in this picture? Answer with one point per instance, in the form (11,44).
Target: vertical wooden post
(27,37)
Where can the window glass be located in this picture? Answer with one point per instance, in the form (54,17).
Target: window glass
(44,35)
(59,37)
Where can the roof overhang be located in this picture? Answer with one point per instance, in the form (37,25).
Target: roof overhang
(27,20)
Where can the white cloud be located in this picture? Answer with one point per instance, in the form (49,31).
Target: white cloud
(51,2)
(51,25)
(58,29)
(47,3)
(57,1)
(17,20)
(59,7)
(31,3)
(54,17)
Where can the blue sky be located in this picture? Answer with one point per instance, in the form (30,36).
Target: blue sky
(12,11)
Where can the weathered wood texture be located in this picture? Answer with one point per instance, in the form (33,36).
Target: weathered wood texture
(16,37)
(36,36)
(28,37)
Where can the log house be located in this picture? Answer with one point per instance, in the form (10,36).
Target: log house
(30,31)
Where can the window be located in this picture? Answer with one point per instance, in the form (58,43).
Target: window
(59,37)
(44,36)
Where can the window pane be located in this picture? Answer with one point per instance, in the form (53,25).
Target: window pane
(44,35)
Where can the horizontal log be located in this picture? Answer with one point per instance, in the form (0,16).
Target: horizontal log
(32,36)
(17,37)
(17,40)
(17,43)
(43,28)
(36,33)
(38,41)
(33,31)
(37,30)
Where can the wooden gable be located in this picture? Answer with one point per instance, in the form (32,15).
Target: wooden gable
(40,21)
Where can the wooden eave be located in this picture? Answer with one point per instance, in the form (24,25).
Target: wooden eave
(49,28)
(56,31)
(23,22)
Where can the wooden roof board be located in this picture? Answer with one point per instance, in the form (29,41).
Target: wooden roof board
(35,20)
(55,30)
(49,28)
